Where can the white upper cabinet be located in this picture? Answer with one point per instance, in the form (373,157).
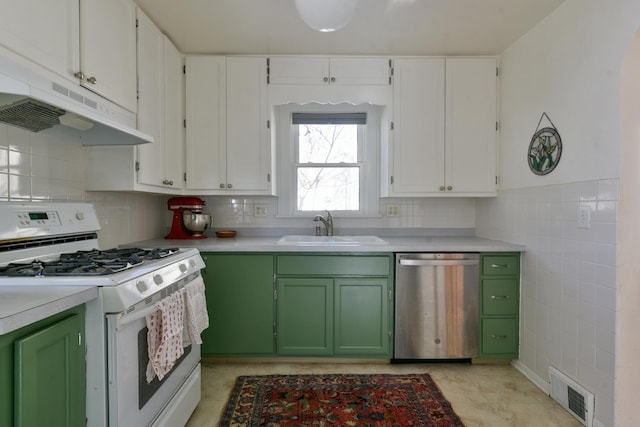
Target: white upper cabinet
(46,32)
(174,114)
(160,109)
(444,133)
(90,42)
(108,50)
(248,147)
(228,148)
(150,97)
(470,133)
(417,152)
(156,167)
(206,103)
(301,70)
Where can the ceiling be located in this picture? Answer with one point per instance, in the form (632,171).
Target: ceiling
(379,27)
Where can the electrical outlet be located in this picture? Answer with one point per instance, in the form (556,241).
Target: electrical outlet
(260,210)
(393,211)
(584,217)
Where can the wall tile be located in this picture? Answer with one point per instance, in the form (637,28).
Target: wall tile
(38,166)
(18,139)
(413,213)
(587,276)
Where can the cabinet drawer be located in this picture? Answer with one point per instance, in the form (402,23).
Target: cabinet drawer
(500,296)
(500,265)
(500,336)
(333,265)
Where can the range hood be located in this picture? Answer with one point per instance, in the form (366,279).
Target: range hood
(52,105)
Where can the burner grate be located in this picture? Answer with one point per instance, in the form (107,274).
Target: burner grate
(87,263)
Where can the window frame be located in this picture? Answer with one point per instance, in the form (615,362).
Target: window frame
(286,151)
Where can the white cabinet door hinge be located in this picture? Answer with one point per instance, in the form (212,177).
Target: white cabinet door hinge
(268,70)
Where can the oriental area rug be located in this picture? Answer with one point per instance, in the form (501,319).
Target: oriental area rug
(338,400)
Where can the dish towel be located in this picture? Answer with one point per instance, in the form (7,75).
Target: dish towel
(164,339)
(196,318)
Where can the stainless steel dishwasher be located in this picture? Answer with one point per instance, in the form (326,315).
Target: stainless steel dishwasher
(437,304)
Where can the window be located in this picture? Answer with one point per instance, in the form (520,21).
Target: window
(328,159)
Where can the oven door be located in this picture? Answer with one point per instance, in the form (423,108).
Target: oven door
(133,402)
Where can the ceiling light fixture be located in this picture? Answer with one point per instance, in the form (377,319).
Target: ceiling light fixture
(326,15)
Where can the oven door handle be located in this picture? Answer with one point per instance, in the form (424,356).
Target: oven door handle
(124,319)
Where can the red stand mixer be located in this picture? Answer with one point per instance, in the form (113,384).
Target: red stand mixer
(188,220)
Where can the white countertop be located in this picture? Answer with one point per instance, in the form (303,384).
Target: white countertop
(22,305)
(394,244)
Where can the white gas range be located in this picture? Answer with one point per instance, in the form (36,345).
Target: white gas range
(54,244)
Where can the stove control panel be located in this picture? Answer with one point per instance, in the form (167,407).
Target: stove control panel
(26,220)
(38,219)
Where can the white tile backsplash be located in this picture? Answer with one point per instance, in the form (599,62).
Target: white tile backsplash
(41,167)
(568,278)
(233,212)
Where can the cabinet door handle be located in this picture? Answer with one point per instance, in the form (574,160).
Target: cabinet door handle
(92,80)
(79,75)
(326,79)
(449,188)
(499,265)
(228,185)
(499,296)
(499,337)
(442,188)
(333,79)
(221,185)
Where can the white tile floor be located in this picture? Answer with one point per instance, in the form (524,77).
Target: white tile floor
(481,395)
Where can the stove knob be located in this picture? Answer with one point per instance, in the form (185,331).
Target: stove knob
(157,279)
(182,268)
(192,263)
(79,216)
(142,286)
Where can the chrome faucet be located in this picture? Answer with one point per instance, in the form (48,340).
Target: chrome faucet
(328,222)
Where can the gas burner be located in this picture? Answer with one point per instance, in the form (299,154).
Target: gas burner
(87,263)
(34,268)
(133,257)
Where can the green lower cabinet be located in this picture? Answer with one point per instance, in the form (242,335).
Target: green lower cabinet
(500,337)
(500,306)
(239,293)
(43,373)
(314,305)
(334,305)
(305,324)
(362,317)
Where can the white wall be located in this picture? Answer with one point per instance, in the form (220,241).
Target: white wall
(628,315)
(568,66)
(39,167)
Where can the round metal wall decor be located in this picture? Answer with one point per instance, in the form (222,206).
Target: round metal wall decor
(545,149)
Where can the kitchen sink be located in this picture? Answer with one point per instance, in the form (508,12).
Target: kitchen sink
(296,240)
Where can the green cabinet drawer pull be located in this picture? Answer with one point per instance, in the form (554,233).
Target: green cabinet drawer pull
(499,337)
(499,296)
(499,265)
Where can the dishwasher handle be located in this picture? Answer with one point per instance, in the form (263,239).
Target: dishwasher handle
(437,262)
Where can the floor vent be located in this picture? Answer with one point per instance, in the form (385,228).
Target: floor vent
(572,396)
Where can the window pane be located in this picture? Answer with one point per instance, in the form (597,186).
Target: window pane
(327,143)
(328,188)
